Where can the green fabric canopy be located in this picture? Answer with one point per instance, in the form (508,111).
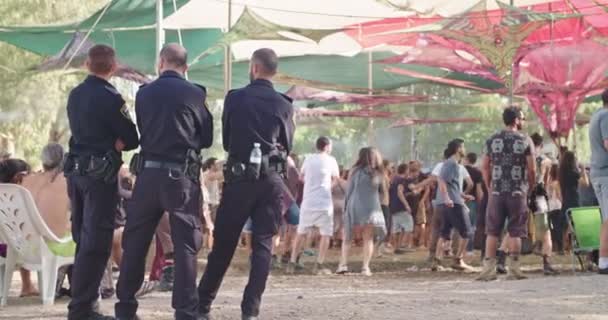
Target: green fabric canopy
(129,26)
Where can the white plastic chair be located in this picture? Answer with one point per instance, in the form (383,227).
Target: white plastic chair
(26,234)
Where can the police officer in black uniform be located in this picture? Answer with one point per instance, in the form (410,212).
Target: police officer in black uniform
(175,125)
(101,129)
(253,114)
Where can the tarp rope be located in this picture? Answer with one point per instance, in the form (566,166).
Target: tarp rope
(103,12)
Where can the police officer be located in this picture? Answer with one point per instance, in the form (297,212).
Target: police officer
(101,129)
(254,114)
(175,125)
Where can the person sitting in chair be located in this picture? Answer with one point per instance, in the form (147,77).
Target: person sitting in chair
(13,171)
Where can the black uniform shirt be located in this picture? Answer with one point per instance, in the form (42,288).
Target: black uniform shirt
(98,117)
(256,113)
(172,117)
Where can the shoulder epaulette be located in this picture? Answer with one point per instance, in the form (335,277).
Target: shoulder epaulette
(112,90)
(288,98)
(201,86)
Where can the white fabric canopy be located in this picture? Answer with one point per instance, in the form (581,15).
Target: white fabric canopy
(306,14)
(318,14)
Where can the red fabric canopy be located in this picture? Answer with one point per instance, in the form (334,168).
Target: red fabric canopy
(362,113)
(306,93)
(404,122)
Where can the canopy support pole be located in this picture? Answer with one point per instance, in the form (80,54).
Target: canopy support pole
(179,35)
(160,32)
(228,55)
(512,75)
(370,91)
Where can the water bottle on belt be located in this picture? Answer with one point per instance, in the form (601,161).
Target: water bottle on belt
(255,161)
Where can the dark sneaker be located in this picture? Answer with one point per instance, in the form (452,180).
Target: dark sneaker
(99,316)
(275,263)
(501,259)
(166,279)
(107,293)
(603,271)
(548,270)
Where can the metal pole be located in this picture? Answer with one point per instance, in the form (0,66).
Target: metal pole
(370,89)
(179,35)
(228,55)
(512,3)
(160,32)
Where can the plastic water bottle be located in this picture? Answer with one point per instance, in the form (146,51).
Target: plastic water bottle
(255,159)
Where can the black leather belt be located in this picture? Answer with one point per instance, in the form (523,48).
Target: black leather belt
(163,165)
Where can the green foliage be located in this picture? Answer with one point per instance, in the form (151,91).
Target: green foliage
(32,104)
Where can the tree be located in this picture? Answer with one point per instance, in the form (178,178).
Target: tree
(32,104)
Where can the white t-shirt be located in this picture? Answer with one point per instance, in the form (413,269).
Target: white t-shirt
(318,170)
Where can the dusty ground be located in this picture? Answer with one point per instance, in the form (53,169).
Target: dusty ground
(392,293)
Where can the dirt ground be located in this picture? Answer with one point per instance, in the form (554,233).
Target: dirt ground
(401,288)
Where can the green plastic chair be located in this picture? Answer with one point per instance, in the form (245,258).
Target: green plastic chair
(586,224)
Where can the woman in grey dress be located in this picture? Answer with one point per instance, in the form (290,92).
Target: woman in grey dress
(363,214)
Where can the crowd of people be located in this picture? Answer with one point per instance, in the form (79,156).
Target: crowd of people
(380,206)
(512,201)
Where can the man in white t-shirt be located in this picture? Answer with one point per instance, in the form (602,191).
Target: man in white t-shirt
(319,172)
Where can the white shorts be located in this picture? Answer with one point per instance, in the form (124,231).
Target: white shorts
(403,222)
(322,219)
(600,186)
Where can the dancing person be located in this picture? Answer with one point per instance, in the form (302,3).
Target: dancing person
(455,212)
(543,245)
(338,195)
(557,220)
(400,209)
(363,210)
(417,199)
(387,169)
(319,172)
(508,169)
(571,176)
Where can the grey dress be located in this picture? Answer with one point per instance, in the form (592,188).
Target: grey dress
(363,203)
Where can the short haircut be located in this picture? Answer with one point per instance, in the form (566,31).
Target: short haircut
(52,156)
(209,163)
(102,59)
(174,54)
(605,97)
(472,157)
(453,147)
(537,139)
(402,168)
(511,114)
(267,59)
(322,143)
